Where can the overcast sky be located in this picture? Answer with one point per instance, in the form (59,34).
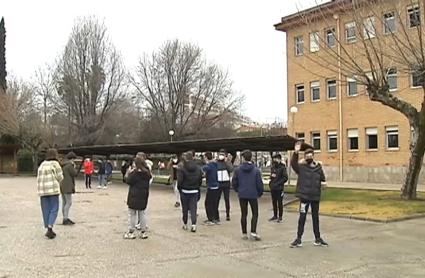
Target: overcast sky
(238,35)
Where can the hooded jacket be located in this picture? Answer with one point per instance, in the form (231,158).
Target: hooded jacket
(278,176)
(138,192)
(224,169)
(310,178)
(189,176)
(49,176)
(88,167)
(69,174)
(247,181)
(210,170)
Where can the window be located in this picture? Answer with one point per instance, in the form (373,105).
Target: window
(300,136)
(352,87)
(300,93)
(330,37)
(353,139)
(314,42)
(315,140)
(372,138)
(369,30)
(392,137)
(389,23)
(392,79)
(331,88)
(332,141)
(416,79)
(350,32)
(315,91)
(299,46)
(414,16)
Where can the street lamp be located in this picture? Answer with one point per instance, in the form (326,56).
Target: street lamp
(171,132)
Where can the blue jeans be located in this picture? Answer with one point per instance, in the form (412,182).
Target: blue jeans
(49,208)
(102,180)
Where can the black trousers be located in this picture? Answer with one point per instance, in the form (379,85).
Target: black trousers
(304,205)
(277,201)
(211,204)
(224,190)
(253,203)
(88,181)
(189,201)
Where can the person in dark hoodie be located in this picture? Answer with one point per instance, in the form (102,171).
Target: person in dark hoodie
(68,186)
(224,169)
(278,177)
(310,179)
(137,199)
(211,203)
(247,181)
(189,180)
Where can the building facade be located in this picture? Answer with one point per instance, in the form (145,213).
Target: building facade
(356,139)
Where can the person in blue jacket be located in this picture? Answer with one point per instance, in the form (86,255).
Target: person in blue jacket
(248,183)
(213,189)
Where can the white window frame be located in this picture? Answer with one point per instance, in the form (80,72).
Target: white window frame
(297,87)
(411,81)
(385,28)
(314,136)
(299,40)
(413,7)
(314,42)
(392,72)
(300,138)
(352,80)
(330,32)
(332,135)
(328,86)
(314,85)
(352,133)
(369,28)
(348,26)
(392,130)
(372,131)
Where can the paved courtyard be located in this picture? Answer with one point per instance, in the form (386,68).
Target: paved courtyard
(94,247)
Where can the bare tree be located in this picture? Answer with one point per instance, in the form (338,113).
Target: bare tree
(20,118)
(396,46)
(45,90)
(182,91)
(90,80)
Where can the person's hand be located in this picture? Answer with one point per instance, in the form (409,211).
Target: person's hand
(297,147)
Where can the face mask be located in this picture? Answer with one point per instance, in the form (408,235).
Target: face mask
(309,160)
(221,157)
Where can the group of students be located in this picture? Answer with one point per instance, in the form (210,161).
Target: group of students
(188,174)
(104,172)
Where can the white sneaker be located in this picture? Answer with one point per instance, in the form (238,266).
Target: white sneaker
(255,237)
(143,235)
(193,229)
(99,187)
(244,236)
(129,235)
(184,227)
(105,187)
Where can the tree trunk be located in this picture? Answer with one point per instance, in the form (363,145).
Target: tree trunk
(415,165)
(34,161)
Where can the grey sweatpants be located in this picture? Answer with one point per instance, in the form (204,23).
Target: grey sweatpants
(66,205)
(136,216)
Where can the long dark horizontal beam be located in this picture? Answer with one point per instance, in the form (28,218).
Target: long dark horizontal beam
(267,143)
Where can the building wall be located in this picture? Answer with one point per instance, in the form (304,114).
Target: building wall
(358,112)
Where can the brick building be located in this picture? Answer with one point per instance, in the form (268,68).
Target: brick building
(355,138)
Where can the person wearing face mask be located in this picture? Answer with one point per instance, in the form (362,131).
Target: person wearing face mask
(310,179)
(278,177)
(224,169)
(173,165)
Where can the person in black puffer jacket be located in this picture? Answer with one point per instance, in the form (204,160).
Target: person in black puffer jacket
(189,180)
(278,177)
(137,199)
(310,178)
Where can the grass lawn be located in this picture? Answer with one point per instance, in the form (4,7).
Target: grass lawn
(368,204)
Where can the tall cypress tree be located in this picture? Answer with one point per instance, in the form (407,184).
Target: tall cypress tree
(3,73)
